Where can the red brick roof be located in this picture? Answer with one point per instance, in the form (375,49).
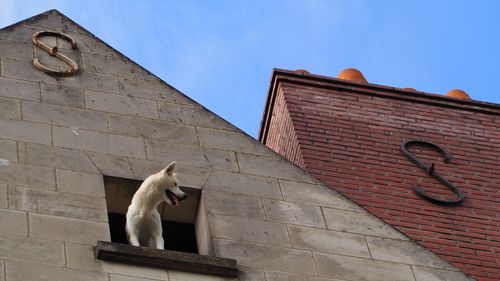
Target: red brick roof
(348,135)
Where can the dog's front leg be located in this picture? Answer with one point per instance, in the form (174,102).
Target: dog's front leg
(132,229)
(133,240)
(159,243)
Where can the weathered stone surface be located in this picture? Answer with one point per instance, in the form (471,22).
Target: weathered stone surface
(25,131)
(223,203)
(80,183)
(10,108)
(328,241)
(315,278)
(359,222)
(244,184)
(57,157)
(13,222)
(28,175)
(136,271)
(315,194)
(351,268)
(188,175)
(115,277)
(65,116)
(272,167)
(22,271)
(4,162)
(57,203)
(141,169)
(53,20)
(154,90)
(119,166)
(3,196)
(29,249)
(151,129)
(2,272)
(93,81)
(88,43)
(251,274)
(191,155)
(192,115)
(81,256)
(68,229)
(121,104)
(16,50)
(62,95)
(281,276)
(205,245)
(428,274)
(116,65)
(21,34)
(11,88)
(98,142)
(228,140)
(294,213)
(174,275)
(268,257)
(407,252)
(25,70)
(112,165)
(8,151)
(249,230)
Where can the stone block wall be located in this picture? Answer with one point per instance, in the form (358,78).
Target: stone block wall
(59,136)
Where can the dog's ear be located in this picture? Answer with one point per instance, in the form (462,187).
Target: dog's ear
(169,170)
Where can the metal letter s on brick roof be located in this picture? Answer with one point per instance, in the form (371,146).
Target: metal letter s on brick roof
(431,171)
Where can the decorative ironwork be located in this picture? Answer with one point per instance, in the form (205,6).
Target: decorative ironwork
(430,170)
(54,51)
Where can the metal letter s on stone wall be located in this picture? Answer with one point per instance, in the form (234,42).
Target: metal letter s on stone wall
(53,51)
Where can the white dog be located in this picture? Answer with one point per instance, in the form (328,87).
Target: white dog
(143,220)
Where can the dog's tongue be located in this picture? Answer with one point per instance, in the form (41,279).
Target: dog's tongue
(174,200)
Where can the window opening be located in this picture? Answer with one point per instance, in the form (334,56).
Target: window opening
(178,224)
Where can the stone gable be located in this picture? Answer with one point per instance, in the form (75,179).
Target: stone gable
(59,136)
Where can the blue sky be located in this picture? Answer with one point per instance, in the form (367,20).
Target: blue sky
(221,53)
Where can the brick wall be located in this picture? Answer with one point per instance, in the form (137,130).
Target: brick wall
(349,137)
(281,133)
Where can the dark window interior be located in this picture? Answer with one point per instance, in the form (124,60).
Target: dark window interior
(178,236)
(177,223)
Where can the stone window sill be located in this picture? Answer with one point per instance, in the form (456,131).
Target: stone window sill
(165,259)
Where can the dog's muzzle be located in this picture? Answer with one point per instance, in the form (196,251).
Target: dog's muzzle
(174,198)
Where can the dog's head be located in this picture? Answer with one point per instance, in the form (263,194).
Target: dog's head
(169,178)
